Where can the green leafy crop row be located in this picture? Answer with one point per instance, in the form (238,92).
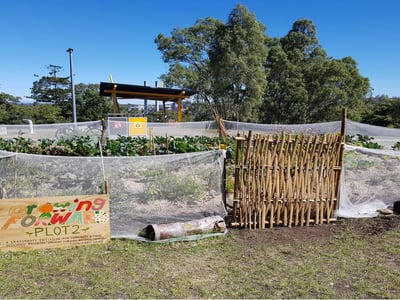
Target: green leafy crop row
(121,146)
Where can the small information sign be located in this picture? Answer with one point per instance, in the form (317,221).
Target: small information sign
(118,126)
(54,222)
(138,126)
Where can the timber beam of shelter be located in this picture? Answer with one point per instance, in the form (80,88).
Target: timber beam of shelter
(128,91)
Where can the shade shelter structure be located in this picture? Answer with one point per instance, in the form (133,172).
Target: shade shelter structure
(129,91)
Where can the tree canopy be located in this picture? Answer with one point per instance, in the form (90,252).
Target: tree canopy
(245,75)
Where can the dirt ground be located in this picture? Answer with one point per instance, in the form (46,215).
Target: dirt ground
(282,235)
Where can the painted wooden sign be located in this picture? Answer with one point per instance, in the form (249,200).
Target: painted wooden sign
(53,222)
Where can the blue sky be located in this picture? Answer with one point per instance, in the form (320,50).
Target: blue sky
(117,36)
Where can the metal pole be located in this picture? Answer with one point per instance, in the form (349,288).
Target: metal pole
(70,50)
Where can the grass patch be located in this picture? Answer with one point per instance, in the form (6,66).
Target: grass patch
(350,259)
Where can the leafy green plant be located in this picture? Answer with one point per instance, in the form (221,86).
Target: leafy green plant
(80,145)
(83,145)
(175,188)
(362,141)
(354,160)
(44,145)
(396,146)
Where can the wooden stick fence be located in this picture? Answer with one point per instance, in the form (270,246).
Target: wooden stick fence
(286,180)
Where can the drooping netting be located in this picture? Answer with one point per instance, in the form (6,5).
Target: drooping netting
(370,181)
(143,190)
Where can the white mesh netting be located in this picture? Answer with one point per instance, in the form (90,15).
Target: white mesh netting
(382,135)
(370,182)
(317,128)
(51,131)
(369,179)
(114,128)
(143,190)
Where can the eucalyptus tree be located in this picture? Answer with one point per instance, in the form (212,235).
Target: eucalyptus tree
(186,52)
(332,85)
(305,85)
(224,63)
(285,97)
(243,74)
(237,60)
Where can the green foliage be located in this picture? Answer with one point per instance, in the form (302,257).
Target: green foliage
(304,85)
(90,105)
(7,98)
(237,58)
(362,141)
(353,160)
(243,75)
(125,146)
(172,187)
(39,114)
(383,111)
(87,109)
(80,146)
(84,145)
(58,108)
(285,98)
(21,144)
(224,63)
(396,146)
(44,114)
(186,52)
(189,144)
(53,89)
(230,184)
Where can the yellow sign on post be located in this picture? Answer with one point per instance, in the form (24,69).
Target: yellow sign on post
(137,126)
(53,222)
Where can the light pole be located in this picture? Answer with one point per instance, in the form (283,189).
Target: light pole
(70,50)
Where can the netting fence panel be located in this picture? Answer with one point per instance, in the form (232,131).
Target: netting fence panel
(382,135)
(234,128)
(112,130)
(143,190)
(371,181)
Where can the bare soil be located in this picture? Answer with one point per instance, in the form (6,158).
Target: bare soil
(284,235)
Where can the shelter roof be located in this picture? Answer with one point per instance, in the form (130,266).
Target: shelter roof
(130,91)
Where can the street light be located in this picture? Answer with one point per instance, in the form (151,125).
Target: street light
(70,50)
